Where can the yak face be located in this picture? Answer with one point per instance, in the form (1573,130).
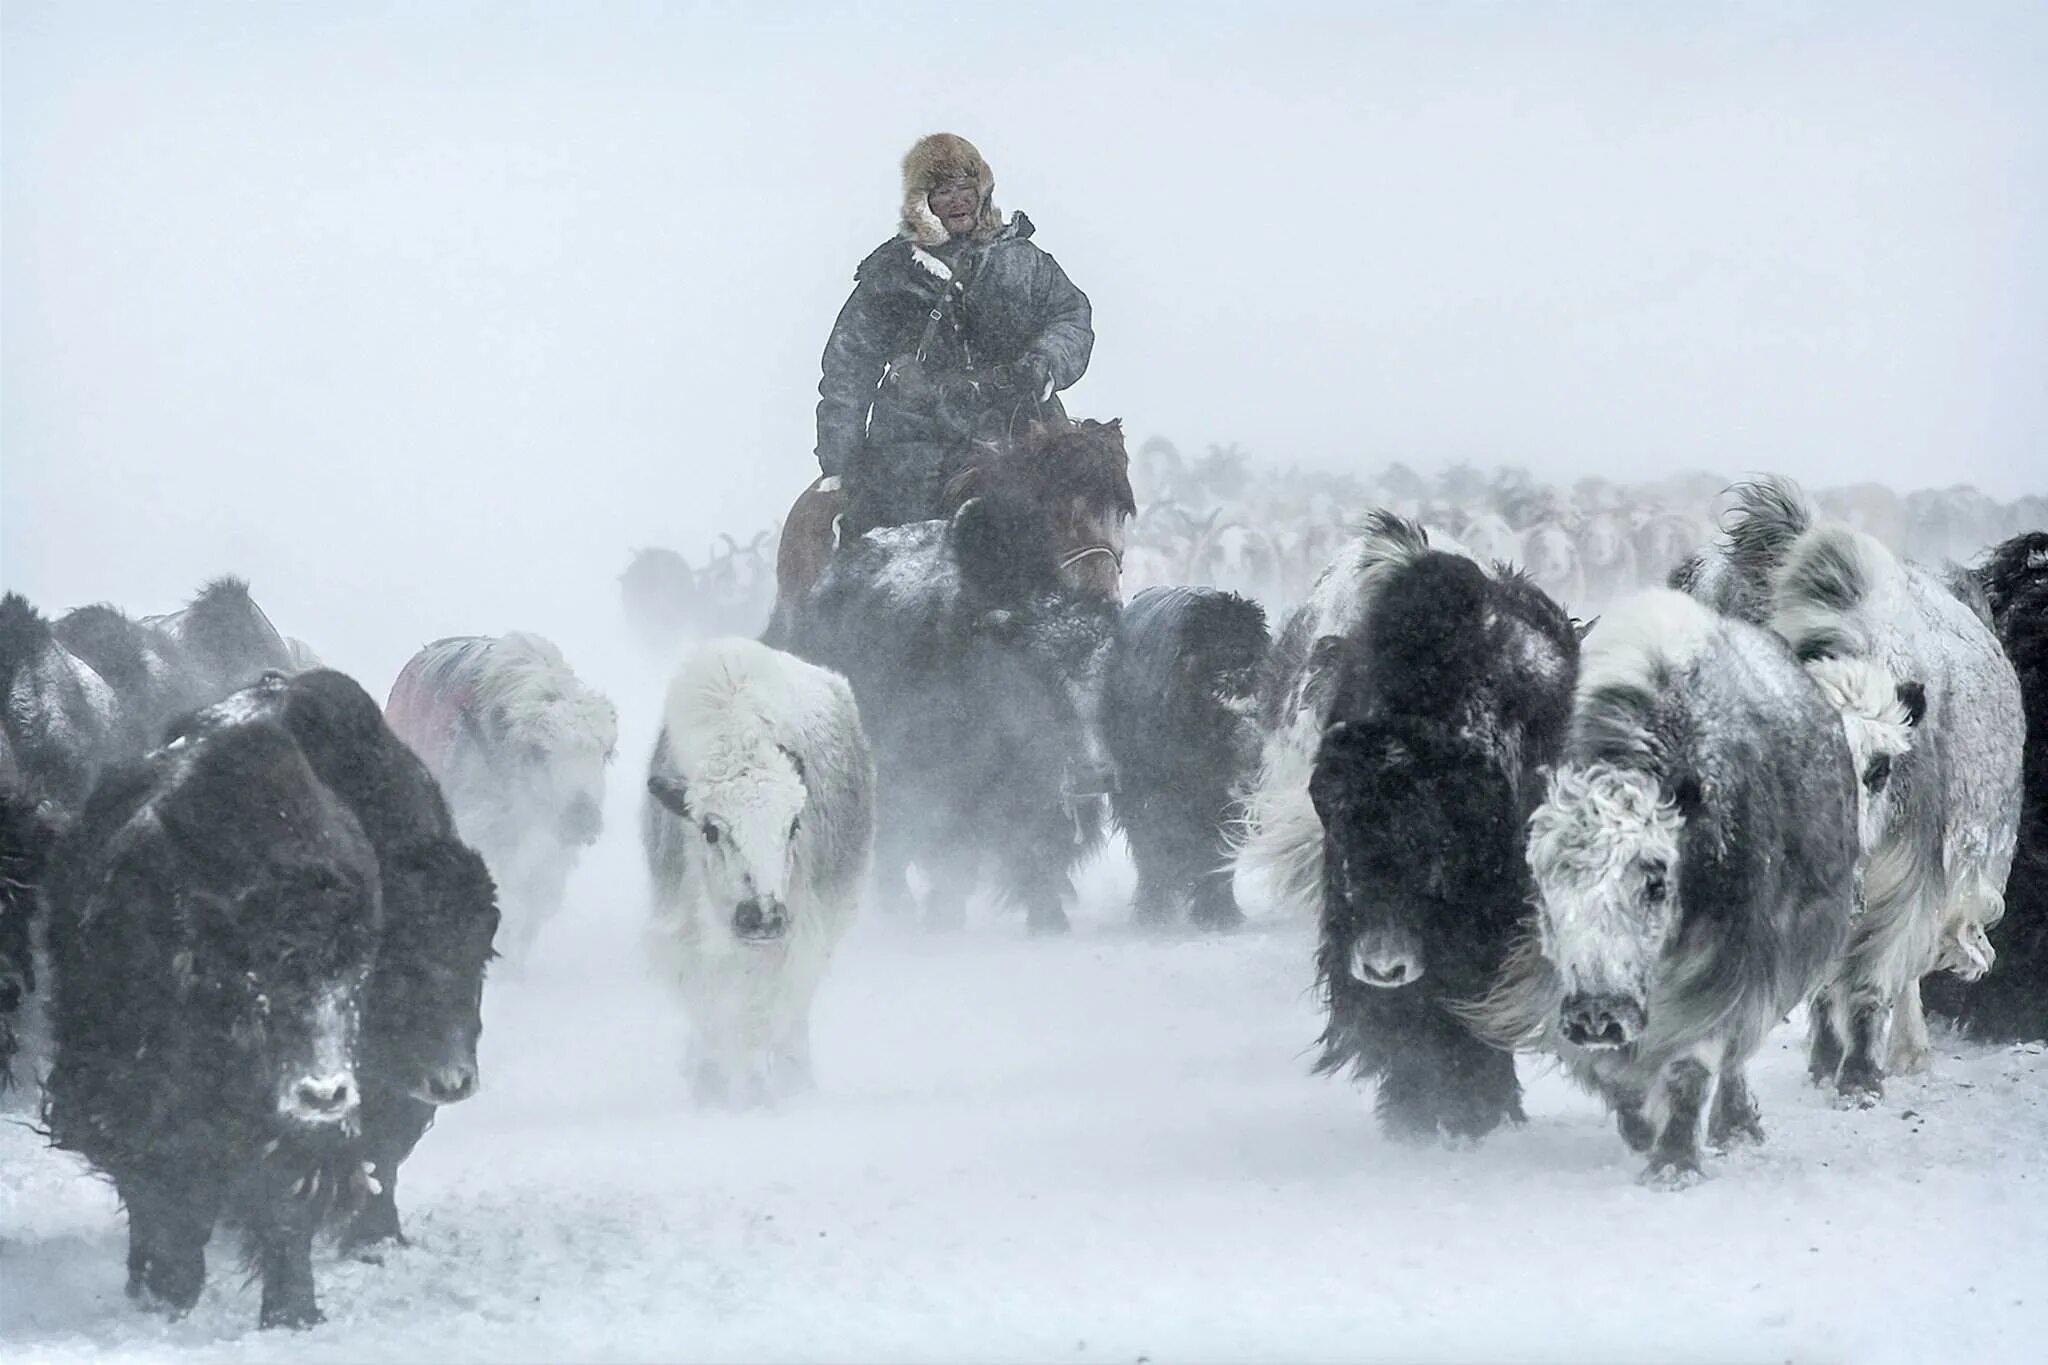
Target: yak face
(283,967)
(1604,849)
(1417,831)
(426,994)
(559,755)
(742,812)
(1050,661)
(1879,717)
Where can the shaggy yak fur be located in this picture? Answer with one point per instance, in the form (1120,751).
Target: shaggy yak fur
(1451,701)
(226,636)
(423,1010)
(1694,860)
(1939,832)
(2011,1003)
(1177,723)
(520,745)
(60,716)
(979,674)
(1280,847)
(214,912)
(758,828)
(28,832)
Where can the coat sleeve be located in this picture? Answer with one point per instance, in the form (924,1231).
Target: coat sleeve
(1066,337)
(855,356)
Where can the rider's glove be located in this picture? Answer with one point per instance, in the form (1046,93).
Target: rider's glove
(1027,376)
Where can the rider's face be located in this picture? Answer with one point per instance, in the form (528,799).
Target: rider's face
(956,205)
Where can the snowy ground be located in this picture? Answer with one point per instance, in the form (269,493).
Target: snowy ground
(1105,1148)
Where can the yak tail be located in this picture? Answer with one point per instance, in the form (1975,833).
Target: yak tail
(1519,1010)
(1278,843)
(1821,591)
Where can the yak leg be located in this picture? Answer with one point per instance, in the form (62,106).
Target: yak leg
(1911,1048)
(1479,1089)
(1824,1056)
(1215,897)
(1861,1084)
(1158,894)
(281,1247)
(952,878)
(791,1063)
(1675,1160)
(167,1242)
(1032,867)
(1734,1119)
(393,1123)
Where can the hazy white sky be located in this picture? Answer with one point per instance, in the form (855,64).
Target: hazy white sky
(424,315)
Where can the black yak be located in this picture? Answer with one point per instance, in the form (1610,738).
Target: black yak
(214,913)
(1178,725)
(1451,700)
(423,1009)
(2011,1003)
(978,671)
(1695,867)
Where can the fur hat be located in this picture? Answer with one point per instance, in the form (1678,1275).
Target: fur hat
(942,159)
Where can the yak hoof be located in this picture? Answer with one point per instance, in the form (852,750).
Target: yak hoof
(1908,1061)
(1671,1175)
(1048,920)
(1866,1095)
(297,1316)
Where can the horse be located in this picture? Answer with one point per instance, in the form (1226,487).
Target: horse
(1078,473)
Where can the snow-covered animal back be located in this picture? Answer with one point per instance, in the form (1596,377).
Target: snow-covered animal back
(520,745)
(758,827)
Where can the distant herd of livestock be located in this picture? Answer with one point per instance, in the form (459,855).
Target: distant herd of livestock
(246,912)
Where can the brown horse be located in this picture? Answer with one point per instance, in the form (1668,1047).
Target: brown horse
(1078,472)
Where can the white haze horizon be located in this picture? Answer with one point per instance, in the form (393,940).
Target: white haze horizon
(424,317)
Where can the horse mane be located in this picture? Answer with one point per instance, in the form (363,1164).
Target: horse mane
(1053,459)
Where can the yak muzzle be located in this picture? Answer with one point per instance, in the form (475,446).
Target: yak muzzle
(1601,1022)
(1386,960)
(449,1085)
(757,920)
(320,1099)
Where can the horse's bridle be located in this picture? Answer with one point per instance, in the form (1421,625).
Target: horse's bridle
(1116,556)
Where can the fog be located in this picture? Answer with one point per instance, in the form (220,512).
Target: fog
(423,317)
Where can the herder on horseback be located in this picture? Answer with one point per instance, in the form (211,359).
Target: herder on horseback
(959,328)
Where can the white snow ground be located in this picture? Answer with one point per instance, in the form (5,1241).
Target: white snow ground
(1106,1148)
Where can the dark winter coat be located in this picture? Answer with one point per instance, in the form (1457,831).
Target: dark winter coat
(1012,306)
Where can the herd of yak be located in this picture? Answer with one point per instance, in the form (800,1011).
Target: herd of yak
(246,912)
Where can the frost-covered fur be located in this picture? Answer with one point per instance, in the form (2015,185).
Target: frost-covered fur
(229,639)
(1280,846)
(1944,829)
(519,744)
(758,828)
(2011,1003)
(1694,862)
